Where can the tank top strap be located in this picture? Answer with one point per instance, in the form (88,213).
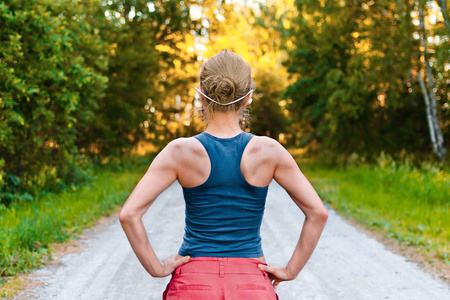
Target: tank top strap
(224,154)
(239,142)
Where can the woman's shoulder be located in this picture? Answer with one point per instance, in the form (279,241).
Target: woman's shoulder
(184,147)
(263,145)
(265,141)
(183,142)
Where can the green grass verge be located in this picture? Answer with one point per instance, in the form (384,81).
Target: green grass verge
(409,204)
(27,230)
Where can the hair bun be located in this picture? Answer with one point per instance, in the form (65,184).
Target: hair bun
(226,89)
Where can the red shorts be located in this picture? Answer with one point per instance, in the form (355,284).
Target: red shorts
(220,278)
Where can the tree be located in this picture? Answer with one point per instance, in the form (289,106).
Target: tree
(353,66)
(51,63)
(144,38)
(437,138)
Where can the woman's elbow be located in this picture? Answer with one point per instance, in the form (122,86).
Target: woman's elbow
(320,215)
(125,215)
(324,215)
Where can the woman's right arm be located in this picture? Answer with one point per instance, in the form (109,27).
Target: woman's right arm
(289,176)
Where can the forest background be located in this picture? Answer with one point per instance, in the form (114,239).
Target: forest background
(342,83)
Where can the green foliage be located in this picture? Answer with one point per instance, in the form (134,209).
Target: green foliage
(76,76)
(407,203)
(142,38)
(51,62)
(267,116)
(354,89)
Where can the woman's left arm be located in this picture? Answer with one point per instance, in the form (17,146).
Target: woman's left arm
(160,175)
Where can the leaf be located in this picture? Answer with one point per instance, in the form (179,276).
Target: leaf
(14,179)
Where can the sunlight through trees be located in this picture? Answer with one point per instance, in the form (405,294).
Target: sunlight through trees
(84,82)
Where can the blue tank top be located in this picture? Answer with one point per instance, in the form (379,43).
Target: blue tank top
(224,214)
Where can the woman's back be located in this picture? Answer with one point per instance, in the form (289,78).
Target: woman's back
(224,213)
(258,162)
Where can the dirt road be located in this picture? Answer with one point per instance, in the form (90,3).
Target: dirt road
(347,264)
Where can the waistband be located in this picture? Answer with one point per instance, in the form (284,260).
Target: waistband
(221,266)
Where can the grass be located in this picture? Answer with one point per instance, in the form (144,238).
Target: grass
(409,204)
(28,230)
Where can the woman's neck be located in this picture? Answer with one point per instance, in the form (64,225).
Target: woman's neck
(224,125)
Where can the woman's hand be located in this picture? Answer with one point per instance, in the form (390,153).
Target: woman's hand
(170,264)
(277,274)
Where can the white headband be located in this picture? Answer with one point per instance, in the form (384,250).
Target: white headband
(234,101)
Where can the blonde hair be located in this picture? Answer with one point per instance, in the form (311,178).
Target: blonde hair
(224,78)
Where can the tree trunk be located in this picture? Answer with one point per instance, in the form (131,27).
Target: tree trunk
(429,114)
(437,138)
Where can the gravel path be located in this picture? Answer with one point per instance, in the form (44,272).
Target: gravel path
(347,264)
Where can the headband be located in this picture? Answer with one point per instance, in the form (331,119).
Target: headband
(234,101)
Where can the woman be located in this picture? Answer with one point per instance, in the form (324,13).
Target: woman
(225,174)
